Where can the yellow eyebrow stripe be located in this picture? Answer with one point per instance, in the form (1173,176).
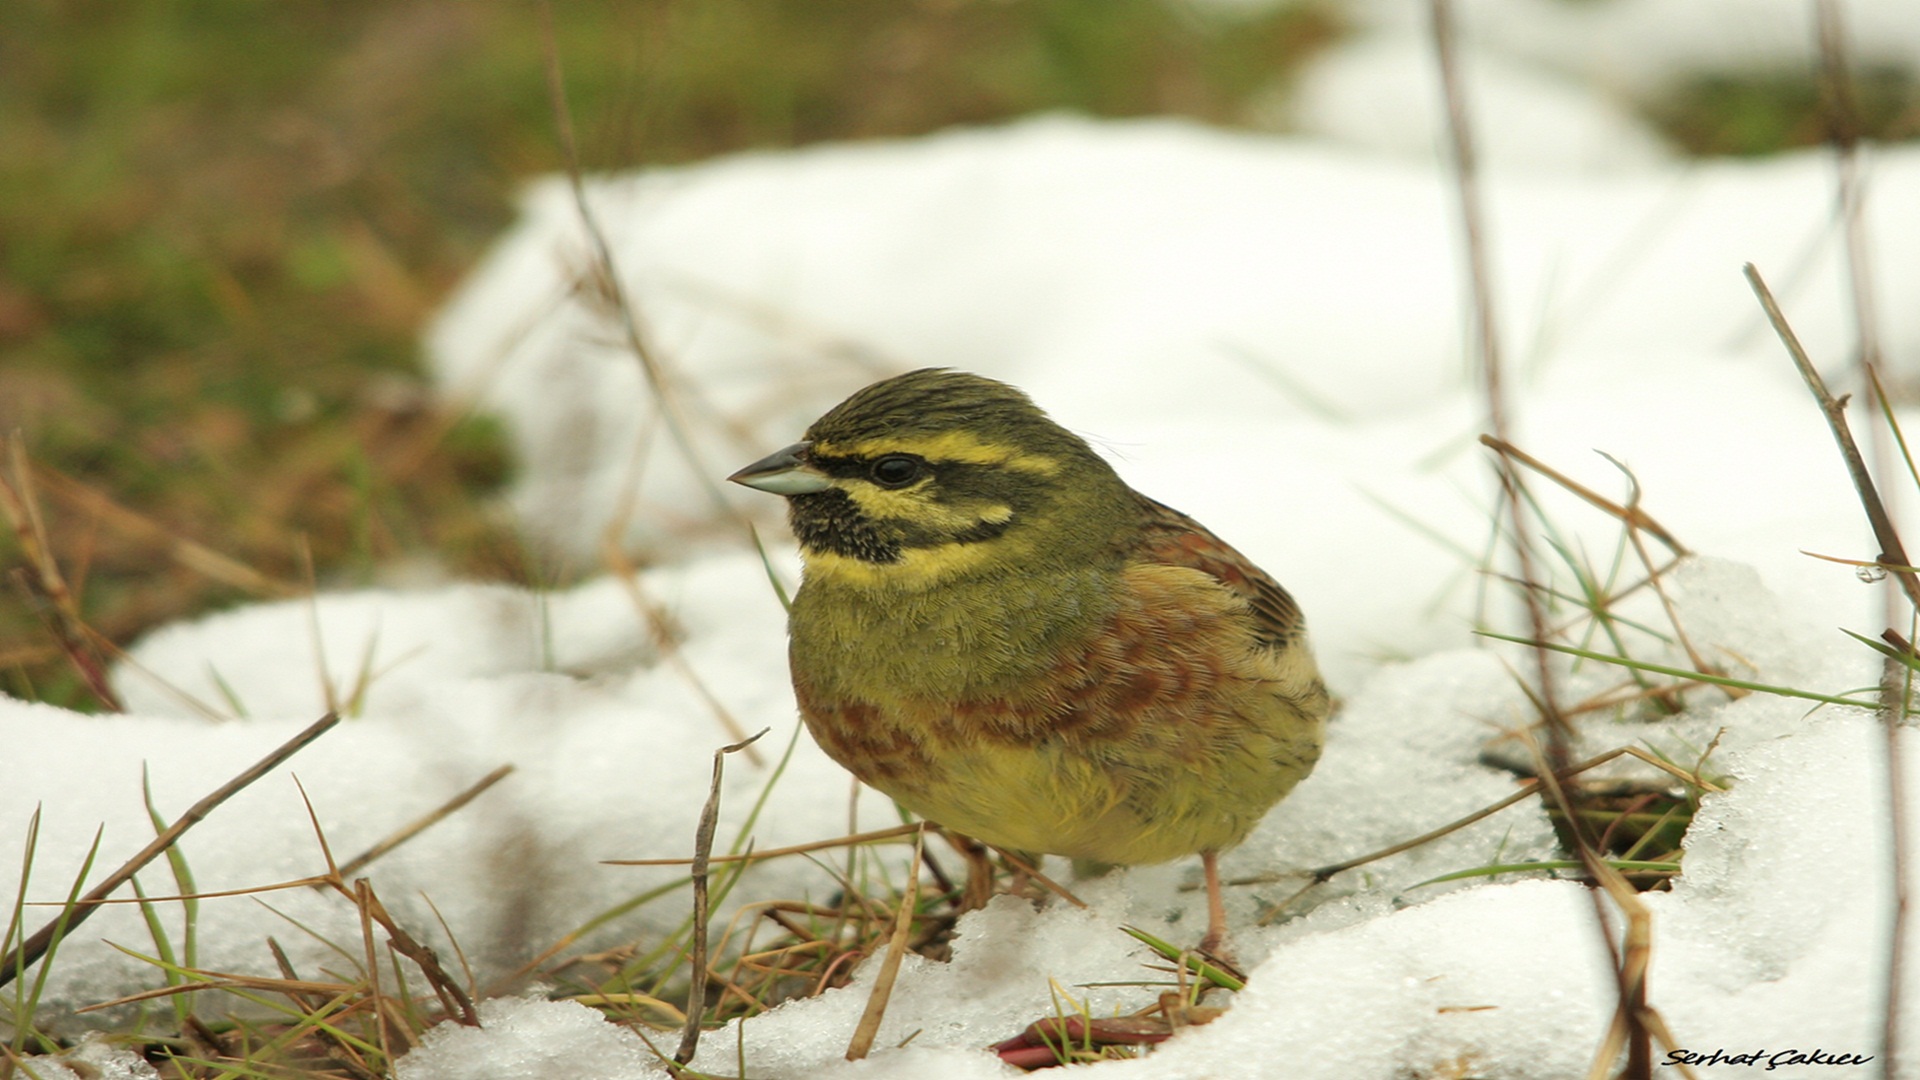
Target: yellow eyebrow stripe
(946,446)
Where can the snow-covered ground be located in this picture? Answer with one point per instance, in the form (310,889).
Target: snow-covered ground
(1267,332)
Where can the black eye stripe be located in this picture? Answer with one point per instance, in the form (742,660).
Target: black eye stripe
(862,468)
(839,466)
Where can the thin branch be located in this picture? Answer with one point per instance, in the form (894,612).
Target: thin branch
(702,847)
(1629,515)
(182,550)
(657,624)
(1843,134)
(1842,115)
(869,1026)
(609,281)
(1558,753)
(41,579)
(772,853)
(1893,554)
(364,859)
(36,946)
(1893,558)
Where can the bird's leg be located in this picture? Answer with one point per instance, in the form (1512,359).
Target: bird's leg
(1215,943)
(979,887)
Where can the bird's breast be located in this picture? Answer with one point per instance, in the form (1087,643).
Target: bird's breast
(1159,726)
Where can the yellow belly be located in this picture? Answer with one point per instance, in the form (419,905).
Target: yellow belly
(1148,794)
(1128,806)
(1167,730)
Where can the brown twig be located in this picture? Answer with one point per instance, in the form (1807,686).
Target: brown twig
(657,626)
(364,859)
(869,1026)
(702,847)
(1893,554)
(184,552)
(1558,750)
(1843,134)
(36,946)
(1893,558)
(452,998)
(607,279)
(774,853)
(41,577)
(1629,515)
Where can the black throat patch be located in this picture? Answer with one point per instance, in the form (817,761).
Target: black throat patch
(829,521)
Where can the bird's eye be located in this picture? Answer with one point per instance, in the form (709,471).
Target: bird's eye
(895,470)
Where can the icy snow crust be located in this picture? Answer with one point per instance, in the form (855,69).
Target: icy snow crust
(1265,333)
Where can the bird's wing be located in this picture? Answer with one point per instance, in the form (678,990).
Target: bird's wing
(1172,538)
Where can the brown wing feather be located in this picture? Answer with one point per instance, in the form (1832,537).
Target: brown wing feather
(1171,537)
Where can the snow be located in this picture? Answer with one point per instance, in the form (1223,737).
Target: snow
(530,1039)
(1644,48)
(1267,332)
(1381,92)
(92,1059)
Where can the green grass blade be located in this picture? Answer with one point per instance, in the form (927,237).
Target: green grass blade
(1684,673)
(1186,957)
(1627,866)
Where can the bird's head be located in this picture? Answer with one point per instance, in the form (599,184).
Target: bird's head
(936,474)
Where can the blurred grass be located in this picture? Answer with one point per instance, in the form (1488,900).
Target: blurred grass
(1765,112)
(225,222)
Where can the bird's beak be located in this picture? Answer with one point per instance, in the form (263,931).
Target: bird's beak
(784,472)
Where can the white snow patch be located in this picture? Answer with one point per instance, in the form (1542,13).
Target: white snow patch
(530,1039)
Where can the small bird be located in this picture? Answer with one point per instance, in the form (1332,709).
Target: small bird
(999,633)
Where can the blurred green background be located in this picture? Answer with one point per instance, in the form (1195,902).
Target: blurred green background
(224,222)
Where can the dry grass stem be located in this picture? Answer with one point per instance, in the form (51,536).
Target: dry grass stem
(796,849)
(1895,677)
(452,998)
(1843,135)
(363,860)
(667,641)
(190,554)
(36,946)
(1557,753)
(40,578)
(1629,515)
(213,894)
(328,693)
(1033,872)
(607,282)
(1893,554)
(129,664)
(1635,522)
(702,848)
(869,1026)
(363,894)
